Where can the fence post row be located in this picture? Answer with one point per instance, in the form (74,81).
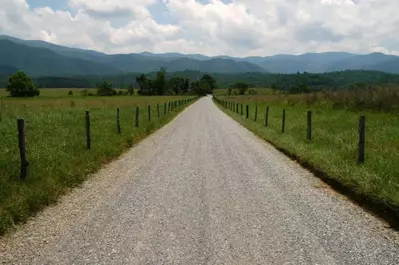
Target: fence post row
(22,149)
(267,117)
(118,121)
(283,122)
(137,116)
(309,126)
(88,137)
(362,140)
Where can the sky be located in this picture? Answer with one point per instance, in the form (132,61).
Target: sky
(211,27)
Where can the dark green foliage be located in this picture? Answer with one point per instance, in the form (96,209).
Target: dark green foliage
(70,93)
(201,88)
(105,89)
(20,85)
(178,85)
(130,90)
(208,79)
(159,85)
(252,92)
(84,92)
(285,82)
(241,87)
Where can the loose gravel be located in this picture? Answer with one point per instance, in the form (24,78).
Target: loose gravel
(202,190)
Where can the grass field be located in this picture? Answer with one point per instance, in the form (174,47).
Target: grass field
(334,146)
(56,144)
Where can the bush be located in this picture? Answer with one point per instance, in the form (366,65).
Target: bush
(252,92)
(105,89)
(20,85)
(70,93)
(84,92)
(120,93)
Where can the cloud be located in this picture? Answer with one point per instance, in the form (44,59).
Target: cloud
(212,27)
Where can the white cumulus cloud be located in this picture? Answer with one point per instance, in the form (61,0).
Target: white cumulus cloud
(213,27)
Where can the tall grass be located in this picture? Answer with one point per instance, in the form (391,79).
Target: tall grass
(333,149)
(59,160)
(378,98)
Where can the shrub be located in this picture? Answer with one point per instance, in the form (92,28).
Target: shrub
(252,92)
(70,93)
(105,89)
(84,92)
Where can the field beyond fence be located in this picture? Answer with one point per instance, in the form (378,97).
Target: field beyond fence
(56,143)
(332,144)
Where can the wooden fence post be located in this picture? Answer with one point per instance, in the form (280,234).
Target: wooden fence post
(118,121)
(242,109)
(237,108)
(362,140)
(137,116)
(267,117)
(247,112)
(256,113)
(88,137)
(309,126)
(283,123)
(149,113)
(158,110)
(164,109)
(22,149)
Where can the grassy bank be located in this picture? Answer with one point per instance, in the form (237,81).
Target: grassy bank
(56,145)
(333,149)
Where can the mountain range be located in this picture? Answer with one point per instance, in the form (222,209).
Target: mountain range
(39,58)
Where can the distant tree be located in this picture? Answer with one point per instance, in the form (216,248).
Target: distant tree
(160,82)
(210,81)
(252,92)
(70,93)
(146,86)
(21,85)
(177,85)
(130,90)
(186,86)
(105,89)
(200,88)
(241,87)
(229,90)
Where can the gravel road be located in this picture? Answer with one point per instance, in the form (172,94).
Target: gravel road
(202,190)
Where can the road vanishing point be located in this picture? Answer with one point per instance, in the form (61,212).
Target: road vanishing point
(202,190)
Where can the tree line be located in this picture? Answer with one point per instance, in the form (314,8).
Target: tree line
(21,85)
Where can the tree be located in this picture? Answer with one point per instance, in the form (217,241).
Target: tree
(160,82)
(242,88)
(105,89)
(177,85)
(21,85)
(130,90)
(200,88)
(146,87)
(210,81)
(186,86)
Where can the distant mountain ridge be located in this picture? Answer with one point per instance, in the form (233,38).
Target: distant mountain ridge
(41,58)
